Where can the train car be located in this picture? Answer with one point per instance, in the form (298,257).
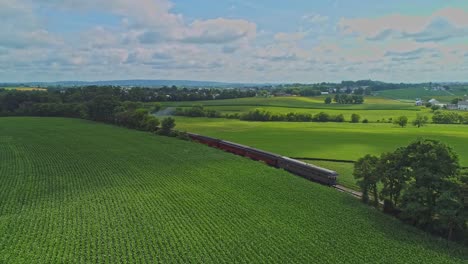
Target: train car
(308,171)
(267,157)
(232,147)
(212,142)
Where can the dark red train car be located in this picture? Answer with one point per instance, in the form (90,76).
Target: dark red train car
(212,142)
(232,147)
(267,157)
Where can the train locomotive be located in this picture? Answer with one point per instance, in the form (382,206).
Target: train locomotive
(305,170)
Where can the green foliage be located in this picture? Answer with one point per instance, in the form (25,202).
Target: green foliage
(446,117)
(393,174)
(355,118)
(102,108)
(426,176)
(421,120)
(328,100)
(263,116)
(365,171)
(348,99)
(401,121)
(82,192)
(167,125)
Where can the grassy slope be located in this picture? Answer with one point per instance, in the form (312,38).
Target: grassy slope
(76,191)
(326,140)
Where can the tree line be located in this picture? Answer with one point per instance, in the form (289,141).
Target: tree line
(421,184)
(93,104)
(345,99)
(263,115)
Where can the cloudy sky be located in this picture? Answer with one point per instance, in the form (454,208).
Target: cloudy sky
(234,40)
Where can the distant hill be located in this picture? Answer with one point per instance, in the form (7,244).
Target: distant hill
(146,83)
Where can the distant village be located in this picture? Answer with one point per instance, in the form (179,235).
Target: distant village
(461,105)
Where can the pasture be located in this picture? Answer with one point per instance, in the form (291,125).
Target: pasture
(77,191)
(326,140)
(374,108)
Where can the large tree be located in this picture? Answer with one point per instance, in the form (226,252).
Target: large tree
(394,173)
(431,164)
(365,170)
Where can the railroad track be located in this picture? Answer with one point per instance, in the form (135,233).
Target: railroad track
(349,191)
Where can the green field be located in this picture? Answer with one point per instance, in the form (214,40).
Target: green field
(423,93)
(22,88)
(374,108)
(326,140)
(74,191)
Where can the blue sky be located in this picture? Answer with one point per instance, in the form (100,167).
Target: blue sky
(234,40)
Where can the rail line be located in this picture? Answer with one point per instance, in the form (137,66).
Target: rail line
(271,159)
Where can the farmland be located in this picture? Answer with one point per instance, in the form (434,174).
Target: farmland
(326,140)
(22,88)
(374,109)
(78,191)
(343,141)
(424,93)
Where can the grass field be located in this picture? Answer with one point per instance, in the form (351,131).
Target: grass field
(374,108)
(24,88)
(425,94)
(374,103)
(74,191)
(326,140)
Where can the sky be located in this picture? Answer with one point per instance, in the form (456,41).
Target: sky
(234,40)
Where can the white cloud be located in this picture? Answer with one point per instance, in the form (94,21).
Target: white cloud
(219,31)
(315,18)
(441,25)
(290,37)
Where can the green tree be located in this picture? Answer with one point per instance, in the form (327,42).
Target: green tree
(365,171)
(167,125)
(355,118)
(394,174)
(421,120)
(102,108)
(328,100)
(449,208)
(401,121)
(431,164)
(151,123)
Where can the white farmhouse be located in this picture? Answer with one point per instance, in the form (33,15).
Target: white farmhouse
(463,105)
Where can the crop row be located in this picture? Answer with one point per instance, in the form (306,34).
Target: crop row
(74,191)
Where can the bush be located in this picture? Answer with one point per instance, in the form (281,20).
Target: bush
(401,121)
(339,118)
(445,117)
(365,121)
(322,117)
(355,118)
(167,125)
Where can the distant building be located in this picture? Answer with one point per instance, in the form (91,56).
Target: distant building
(452,107)
(434,101)
(463,105)
(419,103)
(325,93)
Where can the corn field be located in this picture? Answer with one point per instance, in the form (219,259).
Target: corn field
(73,191)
